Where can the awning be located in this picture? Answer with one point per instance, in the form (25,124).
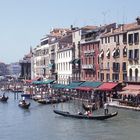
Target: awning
(37,82)
(113,52)
(77,60)
(73,85)
(129,92)
(50,65)
(48,81)
(43,82)
(72,61)
(132,87)
(101,54)
(84,88)
(107,53)
(107,86)
(58,86)
(91,84)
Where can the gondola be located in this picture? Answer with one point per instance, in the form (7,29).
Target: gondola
(82,116)
(3,98)
(42,101)
(24,105)
(88,107)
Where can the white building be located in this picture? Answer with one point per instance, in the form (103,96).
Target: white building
(41,59)
(64,67)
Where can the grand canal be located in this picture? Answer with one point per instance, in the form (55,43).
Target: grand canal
(40,123)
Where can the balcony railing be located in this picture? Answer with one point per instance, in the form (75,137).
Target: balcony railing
(136,58)
(88,66)
(133,79)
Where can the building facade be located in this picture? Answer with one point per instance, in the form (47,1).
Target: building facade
(133,45)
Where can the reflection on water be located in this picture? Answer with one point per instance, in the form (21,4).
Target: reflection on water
(40,123)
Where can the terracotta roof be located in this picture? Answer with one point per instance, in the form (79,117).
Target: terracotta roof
(124,28)
(88,27)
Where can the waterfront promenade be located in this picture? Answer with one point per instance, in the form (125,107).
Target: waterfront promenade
(40,123)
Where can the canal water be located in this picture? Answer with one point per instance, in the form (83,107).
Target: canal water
(40,123)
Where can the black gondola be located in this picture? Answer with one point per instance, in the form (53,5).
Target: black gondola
(43,101)
(82,116)
(24,104)
(3,98)
(89,107)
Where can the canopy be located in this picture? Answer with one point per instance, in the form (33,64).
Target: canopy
(84,88)
(132,87)
(129,92)
(73,85)
(91,84)
(58,86)
(107,86)
(43,82)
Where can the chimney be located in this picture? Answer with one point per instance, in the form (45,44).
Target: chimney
(112,30)
(138,20)
(122,27)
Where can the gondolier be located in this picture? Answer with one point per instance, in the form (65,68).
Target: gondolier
(106,108)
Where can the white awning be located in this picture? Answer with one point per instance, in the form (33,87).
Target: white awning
(107,53)
(100,55)
(113,52)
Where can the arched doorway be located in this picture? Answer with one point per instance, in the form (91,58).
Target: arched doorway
(130,74)
(136,75)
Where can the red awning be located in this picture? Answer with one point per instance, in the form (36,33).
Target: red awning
(84,88)
(107,86)
(132,87)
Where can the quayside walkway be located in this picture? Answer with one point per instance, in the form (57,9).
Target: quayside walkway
(116,104)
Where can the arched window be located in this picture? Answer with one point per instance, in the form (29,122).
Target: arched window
(130,74)
(136,74)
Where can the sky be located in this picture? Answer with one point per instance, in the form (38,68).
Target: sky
(24,22)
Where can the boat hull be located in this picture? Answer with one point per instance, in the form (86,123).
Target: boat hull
(4,99)
(101,117)
(25,106)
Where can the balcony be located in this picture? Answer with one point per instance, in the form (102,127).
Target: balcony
(130,58)
(89,52)
(88,66)
(116,69)
(136,58)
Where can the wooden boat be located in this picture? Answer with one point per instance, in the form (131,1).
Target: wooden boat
(42,101)
(82,116)
(24,104)
(88,107)
(4,99)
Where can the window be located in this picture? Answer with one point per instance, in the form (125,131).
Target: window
(130,39)
(136,38)
(124,66)
(105,39)
(108,39)
(124,77)
(124,38)
(130,54)
(108,67)
(108,77)
(86,60)
(102,76)
(102,40)
(114,38)
(118,40)
(136,54)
